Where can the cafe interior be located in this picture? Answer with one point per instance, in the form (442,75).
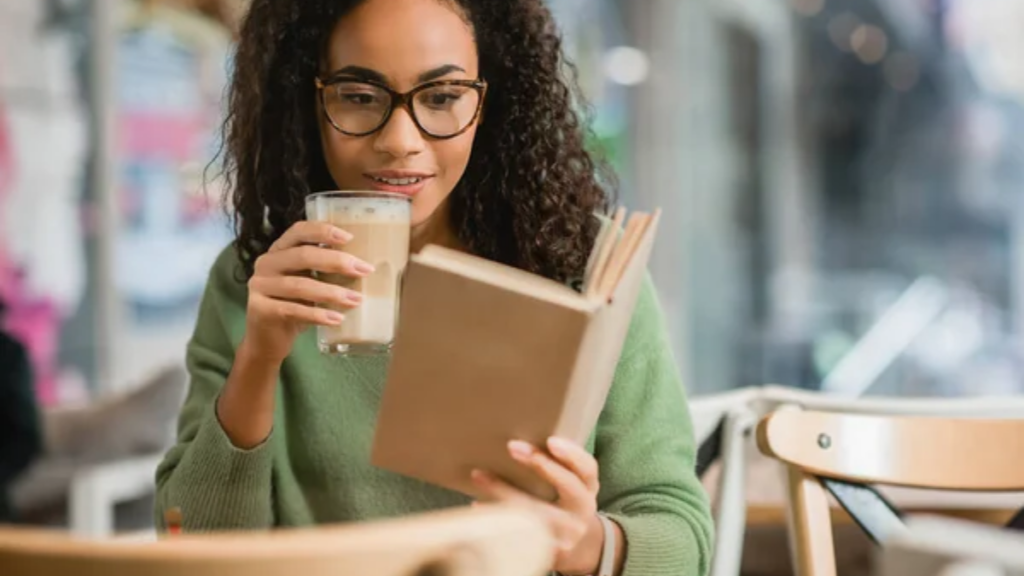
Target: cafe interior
(839,263)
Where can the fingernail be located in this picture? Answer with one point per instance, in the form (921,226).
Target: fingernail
(559,445)
(341,235)
(520,449)
(364,268)
(354,297)
(334,317)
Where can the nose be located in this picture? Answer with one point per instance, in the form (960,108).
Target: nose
(400,137)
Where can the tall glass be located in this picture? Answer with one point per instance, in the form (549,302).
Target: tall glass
(379,223)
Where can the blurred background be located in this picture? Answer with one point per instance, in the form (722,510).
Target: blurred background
(841,183)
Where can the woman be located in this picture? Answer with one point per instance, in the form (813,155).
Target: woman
(273,433)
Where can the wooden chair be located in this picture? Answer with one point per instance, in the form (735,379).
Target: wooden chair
(489,541)
(846,452)
(724,423)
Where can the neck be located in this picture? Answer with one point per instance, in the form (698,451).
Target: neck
(435,230)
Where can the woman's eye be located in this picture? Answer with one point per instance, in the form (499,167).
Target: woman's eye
(441,100)
(359,99)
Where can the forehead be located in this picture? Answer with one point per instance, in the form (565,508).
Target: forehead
(402,39)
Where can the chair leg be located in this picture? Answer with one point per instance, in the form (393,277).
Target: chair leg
(810,526)
(731,520)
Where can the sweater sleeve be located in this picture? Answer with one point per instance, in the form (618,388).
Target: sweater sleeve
(646,452)
(215,485)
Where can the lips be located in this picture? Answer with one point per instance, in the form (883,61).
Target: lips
(398,182)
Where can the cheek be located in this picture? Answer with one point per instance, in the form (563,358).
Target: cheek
(453,155)
(342,155)
(452,158)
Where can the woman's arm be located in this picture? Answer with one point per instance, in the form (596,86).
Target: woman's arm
(215,484)
(646,451)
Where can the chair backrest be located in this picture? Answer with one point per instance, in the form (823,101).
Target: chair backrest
(920,452)
(492,541)
(847,450)
(707,411)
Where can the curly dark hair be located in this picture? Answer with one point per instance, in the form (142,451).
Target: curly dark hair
(530,190)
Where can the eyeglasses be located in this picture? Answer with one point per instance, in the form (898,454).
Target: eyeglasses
(442,109)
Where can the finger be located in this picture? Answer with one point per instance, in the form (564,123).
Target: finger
(497,490)
(298,288)
(304,258)
(566,527)
(575,458)
(573,492)
(294,312)
(307,232)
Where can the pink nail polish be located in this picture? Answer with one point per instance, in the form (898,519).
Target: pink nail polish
(559,445)
(364,268)
(520,449)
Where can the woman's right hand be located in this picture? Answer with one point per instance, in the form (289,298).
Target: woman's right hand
(283,296)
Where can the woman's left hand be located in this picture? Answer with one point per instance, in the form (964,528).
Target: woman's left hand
(573,516)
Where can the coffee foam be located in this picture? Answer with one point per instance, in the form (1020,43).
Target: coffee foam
(364,210)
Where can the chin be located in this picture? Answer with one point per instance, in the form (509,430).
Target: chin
(423,209)
(420,216)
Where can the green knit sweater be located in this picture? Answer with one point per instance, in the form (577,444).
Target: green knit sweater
(315,467)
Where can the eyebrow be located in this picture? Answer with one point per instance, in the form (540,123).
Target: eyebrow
(440,72)
(372,75)
(360,73)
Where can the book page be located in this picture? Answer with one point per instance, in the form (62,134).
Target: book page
(594,260)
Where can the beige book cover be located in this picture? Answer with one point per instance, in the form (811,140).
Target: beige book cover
(487,353)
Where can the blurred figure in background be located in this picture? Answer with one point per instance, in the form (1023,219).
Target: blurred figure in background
(21,437)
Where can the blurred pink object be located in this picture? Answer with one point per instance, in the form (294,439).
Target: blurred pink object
(33,322)
(159,135)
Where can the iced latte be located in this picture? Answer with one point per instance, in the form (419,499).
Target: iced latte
(379,224)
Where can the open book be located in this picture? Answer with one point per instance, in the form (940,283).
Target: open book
(486,353)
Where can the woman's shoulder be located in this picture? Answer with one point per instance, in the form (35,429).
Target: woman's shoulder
(648,319)
(227,279)
(225,298)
